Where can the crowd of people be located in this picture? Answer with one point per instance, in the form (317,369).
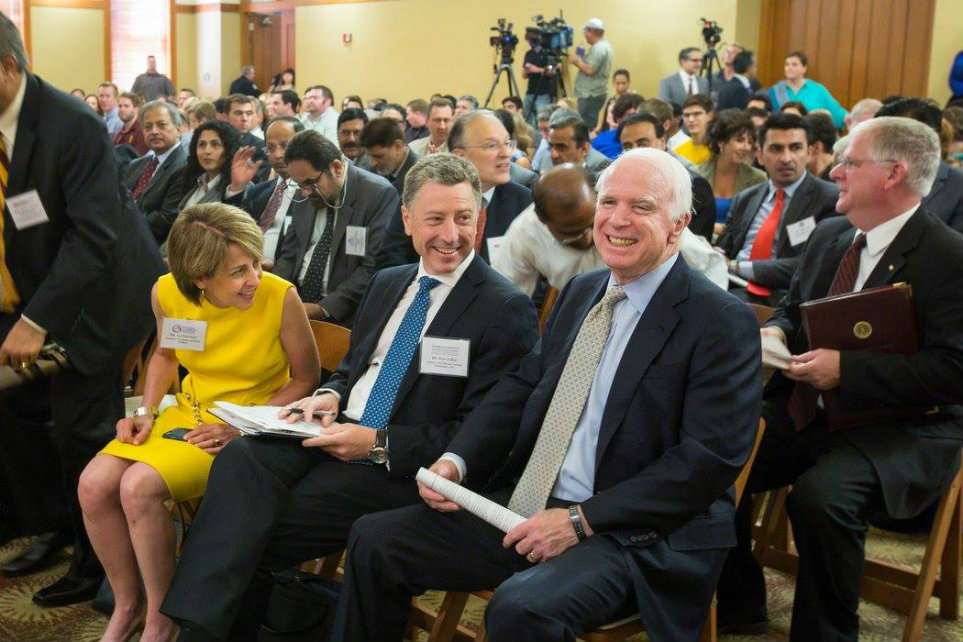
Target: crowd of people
(434,230)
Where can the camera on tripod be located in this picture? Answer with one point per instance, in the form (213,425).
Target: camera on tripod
(554,36)
(711,32)
(505,41)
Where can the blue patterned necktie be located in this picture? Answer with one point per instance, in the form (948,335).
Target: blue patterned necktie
(382,398)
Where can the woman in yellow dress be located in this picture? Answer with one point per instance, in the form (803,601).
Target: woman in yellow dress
(244,338)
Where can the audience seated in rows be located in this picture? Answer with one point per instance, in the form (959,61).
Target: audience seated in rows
(729,170)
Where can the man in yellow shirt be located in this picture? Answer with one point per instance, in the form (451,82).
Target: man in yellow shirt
(697,115)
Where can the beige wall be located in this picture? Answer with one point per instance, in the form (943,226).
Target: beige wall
(230,49)
(947,41)
(186,47)
(748,15)
(417,47)
(67,46)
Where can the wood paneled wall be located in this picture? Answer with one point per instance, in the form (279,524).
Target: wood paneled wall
(857,48)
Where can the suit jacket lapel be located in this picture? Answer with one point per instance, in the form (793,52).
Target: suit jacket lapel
(23,145)
(344,215)
(752,209)
(894,258)
(651,332)
(798,205)
(303,214)
(830,263)
(451,310)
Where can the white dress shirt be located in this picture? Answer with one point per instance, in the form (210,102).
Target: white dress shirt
(281,222)
(202,189)
(10,116)
(686,78)
(326,124)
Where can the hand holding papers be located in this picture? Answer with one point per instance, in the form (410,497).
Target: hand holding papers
(262,420)
(775,354)
(495,514)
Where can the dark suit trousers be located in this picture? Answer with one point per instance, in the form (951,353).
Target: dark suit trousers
(835,491)
(397,554)
(270,504)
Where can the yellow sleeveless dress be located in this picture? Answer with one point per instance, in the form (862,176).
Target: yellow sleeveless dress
(243,362)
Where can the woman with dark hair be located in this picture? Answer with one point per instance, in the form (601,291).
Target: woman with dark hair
(282,81)
(794,107)
(352,102)
(729,170)
(208,170)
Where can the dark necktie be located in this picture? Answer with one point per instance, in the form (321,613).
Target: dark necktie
(691,86)
(9,297)
(313,284)
(272,207)
(377,410)
(802,402)
(145,177)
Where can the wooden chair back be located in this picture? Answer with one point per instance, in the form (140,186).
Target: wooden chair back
(551,296)
(332,341)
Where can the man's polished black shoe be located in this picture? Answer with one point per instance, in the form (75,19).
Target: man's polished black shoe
(41,554)
(69,589)
(753,623)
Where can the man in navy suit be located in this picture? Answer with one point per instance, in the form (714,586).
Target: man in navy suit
(627,440)
(397,407)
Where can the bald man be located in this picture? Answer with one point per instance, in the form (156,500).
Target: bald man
(552,238)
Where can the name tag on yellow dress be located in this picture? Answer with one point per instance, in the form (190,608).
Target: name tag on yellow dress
(183,334)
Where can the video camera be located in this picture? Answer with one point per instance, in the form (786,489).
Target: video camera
(505,41)
(711,32)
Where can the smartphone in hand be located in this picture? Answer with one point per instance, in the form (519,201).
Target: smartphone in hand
(177,434)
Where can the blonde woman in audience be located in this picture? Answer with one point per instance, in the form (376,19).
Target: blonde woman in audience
(244,338)
(729,170)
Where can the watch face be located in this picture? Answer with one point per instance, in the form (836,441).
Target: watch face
(378,455)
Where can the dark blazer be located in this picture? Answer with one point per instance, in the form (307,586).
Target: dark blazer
(86,274)
(484,308)
(244,85)
(678,424)
(730,94)
(672,90)
(508,201)
(161,199)
(914,459)
(522,176)
(814,197)
(369,202)
(398,179)
(704,207)
(945,200)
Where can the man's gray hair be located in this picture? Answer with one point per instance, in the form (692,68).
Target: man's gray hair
(545,112)
(11,44)
(864,109)
(160,103)
(670,170)
(907,141)
(444,169)
(564,117)
(471,100)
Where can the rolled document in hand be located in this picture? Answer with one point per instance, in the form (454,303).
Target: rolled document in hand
(775,354)
(495,514)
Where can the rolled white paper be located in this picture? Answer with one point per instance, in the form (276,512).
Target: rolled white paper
(495,514)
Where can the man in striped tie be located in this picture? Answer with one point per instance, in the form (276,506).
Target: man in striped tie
(618,439)
(896,464)
(429,341)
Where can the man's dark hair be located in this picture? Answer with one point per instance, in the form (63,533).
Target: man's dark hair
(641,117)
(624,103)
(313,148)
(742,61)
(684,54)
(398,108)
(700,100)
(783,121)
(823,130)
(892,98)
(451,99)
(290,97)
(230,139)
(381,132)
(419,105)
(325,91)
(354,98)
(352,114)
(294,122)
(188,90)
(579,130)
(795,104)
(728,124)
(803,58)
(622,72)
(243,99)
(508,121)
(757,112)
(515,100)
(920,109)
(221,105)
(438,103)
(470,100)
(763,98)
(676,109)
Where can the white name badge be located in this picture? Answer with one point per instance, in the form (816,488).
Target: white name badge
(354,240)
(447,357)
(26,210)
(286,224)
(183,334)
(800,230)
(494,247)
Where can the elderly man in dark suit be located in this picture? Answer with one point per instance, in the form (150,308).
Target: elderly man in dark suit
(154,178)
(770,223)
(338,224)
(625,431)
(397,407)
(898,463)
(76,267)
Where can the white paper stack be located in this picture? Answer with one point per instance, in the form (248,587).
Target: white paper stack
(495,514)
(262,420)
(775,354)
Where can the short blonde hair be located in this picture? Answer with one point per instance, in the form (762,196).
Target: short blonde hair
(197,245)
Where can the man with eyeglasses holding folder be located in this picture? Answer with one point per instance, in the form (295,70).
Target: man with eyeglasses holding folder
(858,433)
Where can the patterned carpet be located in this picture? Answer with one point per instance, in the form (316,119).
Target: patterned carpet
(22,621)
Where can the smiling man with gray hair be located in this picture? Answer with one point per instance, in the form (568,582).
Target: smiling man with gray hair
(617,439)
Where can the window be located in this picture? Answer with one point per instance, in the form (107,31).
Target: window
(13,9)
(138,28)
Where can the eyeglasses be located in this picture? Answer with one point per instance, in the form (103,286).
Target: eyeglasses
(310,186)
(855,163)
(491,147)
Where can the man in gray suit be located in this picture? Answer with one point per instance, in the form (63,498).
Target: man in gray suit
(687,81)
(339,218)
(154,178)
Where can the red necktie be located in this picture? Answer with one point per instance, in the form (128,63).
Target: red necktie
(762,245)
(272,207)
(480,226)
(145,177)
(9,297)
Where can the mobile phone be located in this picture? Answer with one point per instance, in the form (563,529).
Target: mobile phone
(177,434)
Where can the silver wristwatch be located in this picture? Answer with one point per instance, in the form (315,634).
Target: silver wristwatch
(379,452)
(146,411)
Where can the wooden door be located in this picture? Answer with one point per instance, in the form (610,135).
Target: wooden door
(270,44)
(857,48)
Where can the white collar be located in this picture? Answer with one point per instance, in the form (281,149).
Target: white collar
(161,158)
(8,119)
(880,237)
(451,279)
(487,195)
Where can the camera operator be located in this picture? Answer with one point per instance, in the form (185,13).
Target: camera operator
(594,67)
(542,81)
